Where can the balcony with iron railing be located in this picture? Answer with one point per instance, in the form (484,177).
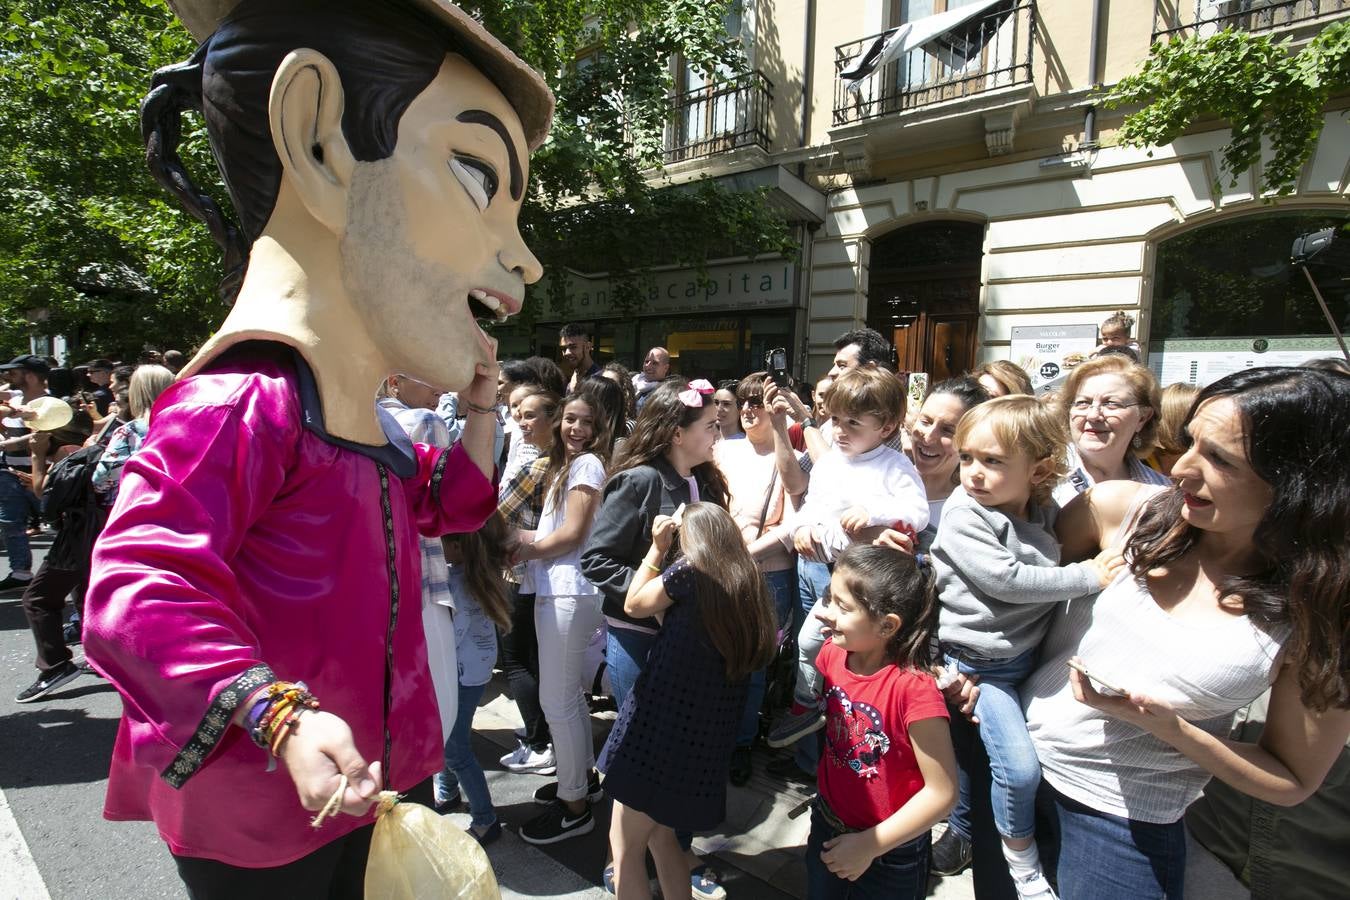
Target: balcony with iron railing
(989,51)
(1205,18)
(720,117)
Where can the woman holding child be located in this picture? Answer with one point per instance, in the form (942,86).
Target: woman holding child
(1237,580)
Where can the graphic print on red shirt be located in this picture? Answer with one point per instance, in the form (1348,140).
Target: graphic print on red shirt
(868,769)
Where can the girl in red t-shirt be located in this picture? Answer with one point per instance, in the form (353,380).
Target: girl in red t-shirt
(887,773)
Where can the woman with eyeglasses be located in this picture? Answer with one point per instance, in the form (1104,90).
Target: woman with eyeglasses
(1113,409)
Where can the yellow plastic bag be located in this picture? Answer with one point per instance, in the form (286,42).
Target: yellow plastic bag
(418,855)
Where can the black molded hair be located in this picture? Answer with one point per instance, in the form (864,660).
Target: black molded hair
(385,52)
(576,330)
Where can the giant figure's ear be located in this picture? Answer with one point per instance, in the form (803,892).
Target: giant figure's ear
(305,114)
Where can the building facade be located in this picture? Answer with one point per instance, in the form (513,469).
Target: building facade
(955,185)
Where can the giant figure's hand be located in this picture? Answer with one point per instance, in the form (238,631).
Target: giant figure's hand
(317,752)
(482,391)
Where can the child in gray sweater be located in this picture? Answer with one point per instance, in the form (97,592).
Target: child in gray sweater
(998,575)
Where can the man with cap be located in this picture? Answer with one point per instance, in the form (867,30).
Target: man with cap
(27,376)
(255,592)
(99,372)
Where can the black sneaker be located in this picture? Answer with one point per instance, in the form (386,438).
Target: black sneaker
(49,682)
(13,583)
(549,792)
(951,855)
(557,824)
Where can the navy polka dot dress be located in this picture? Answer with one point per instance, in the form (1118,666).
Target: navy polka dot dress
(670,750)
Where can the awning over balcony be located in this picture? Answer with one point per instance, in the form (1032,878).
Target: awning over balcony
(944,35)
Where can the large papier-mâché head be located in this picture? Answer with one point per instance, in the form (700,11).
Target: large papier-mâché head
(376,155)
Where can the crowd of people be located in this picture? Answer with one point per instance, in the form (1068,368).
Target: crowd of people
(1033,617)
(60,470)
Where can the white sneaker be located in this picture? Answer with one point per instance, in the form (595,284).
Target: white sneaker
(1034,888)
(525,760)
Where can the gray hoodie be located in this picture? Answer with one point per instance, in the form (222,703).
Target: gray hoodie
(999,577)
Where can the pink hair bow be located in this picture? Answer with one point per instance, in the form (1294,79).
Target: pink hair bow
(694,395)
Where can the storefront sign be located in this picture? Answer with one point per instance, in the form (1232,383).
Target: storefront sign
(763,284)
(1047,351)
(1200,361)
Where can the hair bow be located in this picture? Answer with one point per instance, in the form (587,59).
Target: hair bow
(694,395)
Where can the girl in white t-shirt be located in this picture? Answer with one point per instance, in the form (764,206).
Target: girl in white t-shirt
(566,615)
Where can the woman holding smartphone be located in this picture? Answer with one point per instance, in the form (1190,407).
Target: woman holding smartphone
(1237,580)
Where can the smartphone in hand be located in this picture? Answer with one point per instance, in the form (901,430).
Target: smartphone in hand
(1082,668)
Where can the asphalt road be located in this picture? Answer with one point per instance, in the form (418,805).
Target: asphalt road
(54,770)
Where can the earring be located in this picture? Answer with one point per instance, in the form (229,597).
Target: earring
(1137,442)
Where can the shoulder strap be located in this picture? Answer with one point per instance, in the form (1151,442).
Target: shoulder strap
(768,499)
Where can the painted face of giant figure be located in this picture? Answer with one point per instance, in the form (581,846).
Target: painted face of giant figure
(377,156)
(429,241)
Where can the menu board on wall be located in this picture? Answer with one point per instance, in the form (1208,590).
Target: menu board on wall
(1047,351)
(1201,361)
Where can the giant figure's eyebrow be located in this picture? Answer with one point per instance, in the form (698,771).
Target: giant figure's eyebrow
(483,117)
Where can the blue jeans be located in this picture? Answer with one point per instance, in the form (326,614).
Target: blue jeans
(1003,730)
(782,590)
(812,580)
(901,874)
(1103,857)
(625,657)
(461,766)
(17,504)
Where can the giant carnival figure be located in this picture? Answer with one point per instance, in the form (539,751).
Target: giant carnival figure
(255,593)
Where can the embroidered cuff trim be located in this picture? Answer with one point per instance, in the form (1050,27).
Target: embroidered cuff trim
(438,473)
(213,725)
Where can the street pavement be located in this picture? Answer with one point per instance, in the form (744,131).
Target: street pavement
(53,774)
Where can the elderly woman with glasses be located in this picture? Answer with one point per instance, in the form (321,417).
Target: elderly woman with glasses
(1112,406)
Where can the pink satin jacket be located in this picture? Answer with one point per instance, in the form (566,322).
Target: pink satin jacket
(247,546)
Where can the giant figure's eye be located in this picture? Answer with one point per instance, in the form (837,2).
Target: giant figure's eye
(479,179)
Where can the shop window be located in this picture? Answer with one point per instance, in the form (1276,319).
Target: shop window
(1234,279)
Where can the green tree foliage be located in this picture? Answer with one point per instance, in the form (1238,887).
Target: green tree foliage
(1262,89)
(88,237)
(85,234)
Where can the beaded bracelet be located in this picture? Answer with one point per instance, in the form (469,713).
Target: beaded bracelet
(286,728)
(274,714)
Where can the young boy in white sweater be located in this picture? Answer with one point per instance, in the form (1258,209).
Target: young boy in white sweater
(859,483)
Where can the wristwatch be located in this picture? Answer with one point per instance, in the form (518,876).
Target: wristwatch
(809,422)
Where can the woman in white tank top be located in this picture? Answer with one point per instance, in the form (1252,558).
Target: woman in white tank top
(1238,579)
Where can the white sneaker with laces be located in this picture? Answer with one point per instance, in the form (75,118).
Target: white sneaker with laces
(525,760)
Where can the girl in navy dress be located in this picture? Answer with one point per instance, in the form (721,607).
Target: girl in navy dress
(667,758)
